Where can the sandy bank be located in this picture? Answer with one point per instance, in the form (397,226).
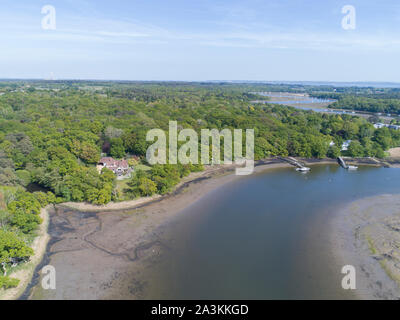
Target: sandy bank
(25,273)
(394,152)
(366,234)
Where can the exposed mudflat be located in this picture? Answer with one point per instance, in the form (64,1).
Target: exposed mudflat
(366,234)
(96,253)
(110,254)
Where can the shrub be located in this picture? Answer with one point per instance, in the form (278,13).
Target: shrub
(7,282)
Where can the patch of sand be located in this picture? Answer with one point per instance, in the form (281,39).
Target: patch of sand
(394,152)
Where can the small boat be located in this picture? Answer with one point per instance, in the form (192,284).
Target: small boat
(303,169)
(352,168)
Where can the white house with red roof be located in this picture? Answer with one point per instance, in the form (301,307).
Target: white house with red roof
(119,167)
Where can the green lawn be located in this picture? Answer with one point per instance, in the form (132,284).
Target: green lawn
(120,186)
(142,167)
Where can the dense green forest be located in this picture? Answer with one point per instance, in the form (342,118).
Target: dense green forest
(368,104)
(361,103)
(376,100)
(52,134)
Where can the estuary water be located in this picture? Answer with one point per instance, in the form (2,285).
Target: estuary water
(265,236)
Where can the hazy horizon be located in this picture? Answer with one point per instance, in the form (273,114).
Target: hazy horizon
(155,40)
(237,81)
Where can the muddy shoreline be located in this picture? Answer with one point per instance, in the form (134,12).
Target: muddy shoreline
(366,234)
(93,250)
(61,229)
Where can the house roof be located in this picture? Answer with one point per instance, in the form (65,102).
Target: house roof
(107,161)
(110,162)
(122,163)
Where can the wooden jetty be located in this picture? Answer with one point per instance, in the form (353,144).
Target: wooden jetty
(294,162)
(344,165)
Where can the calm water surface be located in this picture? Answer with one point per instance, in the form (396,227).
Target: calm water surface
(265,236)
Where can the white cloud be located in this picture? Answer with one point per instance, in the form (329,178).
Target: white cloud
(241,35)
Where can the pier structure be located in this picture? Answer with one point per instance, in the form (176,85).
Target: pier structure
(342,163)
(294,162)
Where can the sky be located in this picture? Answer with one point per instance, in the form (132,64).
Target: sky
(200,40)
